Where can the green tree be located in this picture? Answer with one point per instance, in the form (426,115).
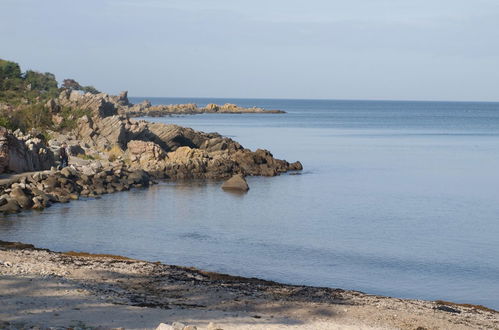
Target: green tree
(43,82)
(90,89)
(10,75)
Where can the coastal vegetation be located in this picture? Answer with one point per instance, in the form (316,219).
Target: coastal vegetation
(32,101)
(30,87)
(24,97)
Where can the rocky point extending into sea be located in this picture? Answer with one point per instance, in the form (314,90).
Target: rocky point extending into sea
(112,152)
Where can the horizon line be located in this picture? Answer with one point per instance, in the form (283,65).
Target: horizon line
(314,99)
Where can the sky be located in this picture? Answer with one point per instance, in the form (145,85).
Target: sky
(327,49)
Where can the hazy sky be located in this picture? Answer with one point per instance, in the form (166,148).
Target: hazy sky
(355,49)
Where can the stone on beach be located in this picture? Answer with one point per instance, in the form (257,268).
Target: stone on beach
(178,326)
(237,182)
(163,326)
(213,326)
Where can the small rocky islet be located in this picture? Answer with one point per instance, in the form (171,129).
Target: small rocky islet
(112,152)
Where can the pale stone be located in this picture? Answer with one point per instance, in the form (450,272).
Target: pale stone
(163,326)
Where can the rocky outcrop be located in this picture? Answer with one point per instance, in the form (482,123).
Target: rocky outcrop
(135,153)
(177,152)
(42,189)
(101,105)
(237,183)
(23,153)
(147,155)
(146,109)
(104,105)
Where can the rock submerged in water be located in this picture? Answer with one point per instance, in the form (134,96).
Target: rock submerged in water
(237,182)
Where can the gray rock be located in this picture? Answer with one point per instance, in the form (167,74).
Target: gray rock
(163,326)
(178,326)
(23,153)
(38,203)
(66,172)
(11,207)
(139,177)
(237,182)
(21,197)
(88,170)
(213,326)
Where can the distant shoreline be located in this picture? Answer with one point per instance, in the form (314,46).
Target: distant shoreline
(135,98)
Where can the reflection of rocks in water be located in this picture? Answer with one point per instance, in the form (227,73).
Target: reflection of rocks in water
(236,193)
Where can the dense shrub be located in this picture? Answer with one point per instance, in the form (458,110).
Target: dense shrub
(72,84)
(6,122)
(28,93)
(10,76)
(43,82)
(90,89)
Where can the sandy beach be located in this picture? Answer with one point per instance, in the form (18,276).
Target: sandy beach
(41,288)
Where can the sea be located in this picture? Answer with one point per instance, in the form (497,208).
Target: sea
(396,198)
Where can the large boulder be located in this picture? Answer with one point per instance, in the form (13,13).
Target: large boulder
(146,154)
(101,105)
(236,182)
(21,197)
(122,99)
(10,207)
(102,133)
(4,150)
(23,153)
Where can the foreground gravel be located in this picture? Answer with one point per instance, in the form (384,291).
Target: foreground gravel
(41,288)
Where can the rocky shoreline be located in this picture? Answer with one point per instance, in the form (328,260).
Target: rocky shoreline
(41,288)
(145,109)
(112,152)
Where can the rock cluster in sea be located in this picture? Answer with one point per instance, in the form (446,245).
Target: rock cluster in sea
(41,189)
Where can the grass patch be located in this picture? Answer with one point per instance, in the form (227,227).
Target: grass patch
(115,152)
(70,117)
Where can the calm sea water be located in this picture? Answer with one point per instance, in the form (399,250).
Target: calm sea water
(396,198)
